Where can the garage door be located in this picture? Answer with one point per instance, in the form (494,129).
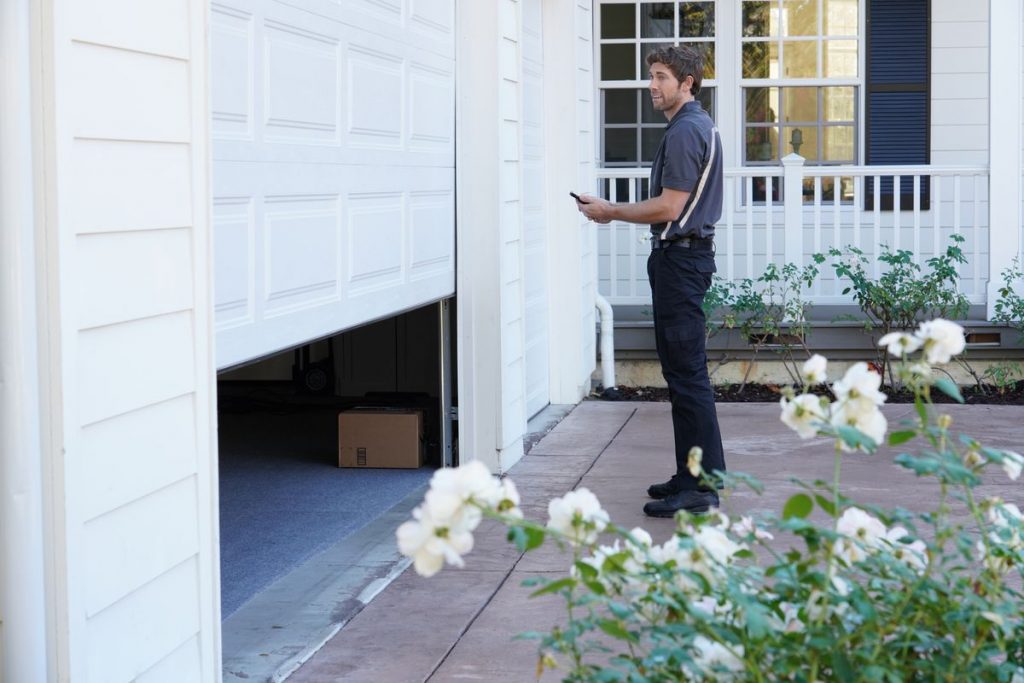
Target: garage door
(534,228)
(333,166)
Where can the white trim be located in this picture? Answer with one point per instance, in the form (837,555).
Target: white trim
(23,655)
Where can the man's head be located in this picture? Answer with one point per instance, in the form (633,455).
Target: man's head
(683,62)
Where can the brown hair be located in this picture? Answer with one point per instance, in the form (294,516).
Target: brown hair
(682,61)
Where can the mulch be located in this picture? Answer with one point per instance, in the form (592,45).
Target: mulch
(771,393)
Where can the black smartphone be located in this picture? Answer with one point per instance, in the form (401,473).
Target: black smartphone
(577,198)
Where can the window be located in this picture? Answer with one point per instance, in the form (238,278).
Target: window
(628,31)
(800,80)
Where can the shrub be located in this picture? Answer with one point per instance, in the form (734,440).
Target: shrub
(874,594)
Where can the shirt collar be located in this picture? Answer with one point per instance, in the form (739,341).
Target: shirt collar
(690,107)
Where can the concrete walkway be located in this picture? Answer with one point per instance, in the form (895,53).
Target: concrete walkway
(459,625)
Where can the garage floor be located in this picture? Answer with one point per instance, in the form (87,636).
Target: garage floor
(283,498)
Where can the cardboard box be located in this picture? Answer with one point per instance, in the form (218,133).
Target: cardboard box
(380,437)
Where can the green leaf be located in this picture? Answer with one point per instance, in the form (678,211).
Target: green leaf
(534,538)
(841,666)
(595,587)
(799,505)
(825,504)
(586,570)
(896,438)
(949,388)
(616,630)
(554,586)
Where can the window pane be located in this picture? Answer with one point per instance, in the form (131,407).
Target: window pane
(801,58)
(762,144)
(647,112)
(840,17)
(618,62)
(839,103)
(618,21)
(696,19)
(759,19)
(706,97)
(650,139)
(840,58)
(802,140)
(646,49)
(800,105)
(838,143)
(620,106)
(620,145)
(800,17)
(657,19)
(762,105)
(756,59)
(707,49)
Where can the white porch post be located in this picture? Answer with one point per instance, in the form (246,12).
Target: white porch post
(23,611)
(1005,139)
(792,189)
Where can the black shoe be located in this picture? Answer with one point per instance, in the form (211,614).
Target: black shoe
(664,489)
(694,502)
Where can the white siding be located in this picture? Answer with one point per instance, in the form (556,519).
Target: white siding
(959,88)
(333,166)
(131,419)
(535,227)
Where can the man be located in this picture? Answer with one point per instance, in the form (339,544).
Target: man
(685,203)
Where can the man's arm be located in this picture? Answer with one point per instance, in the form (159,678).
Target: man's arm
(667,206)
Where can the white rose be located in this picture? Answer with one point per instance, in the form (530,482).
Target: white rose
(455,493)
(860,382)
(578,515)
(814,370)
(864,416)
(746,527)
(914,554)
(941,339)
(430,544)
(715,661)
(803,414)
(863,533)
(1012,464)
(900,344)
(717,544)
(693,459)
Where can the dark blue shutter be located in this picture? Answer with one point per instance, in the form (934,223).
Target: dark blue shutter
(897,129)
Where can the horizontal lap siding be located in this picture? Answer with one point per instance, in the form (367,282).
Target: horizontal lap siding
(959,73)
(132,227)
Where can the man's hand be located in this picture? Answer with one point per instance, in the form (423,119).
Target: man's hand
(595,208)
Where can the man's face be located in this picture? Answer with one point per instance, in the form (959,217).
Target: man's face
(667,93)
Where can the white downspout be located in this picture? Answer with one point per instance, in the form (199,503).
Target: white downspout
(23,655)
(604,310)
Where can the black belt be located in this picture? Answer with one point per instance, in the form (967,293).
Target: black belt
(695,243)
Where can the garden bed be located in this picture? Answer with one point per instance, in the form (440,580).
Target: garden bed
(771,393)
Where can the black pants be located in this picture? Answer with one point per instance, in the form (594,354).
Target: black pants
(679,279)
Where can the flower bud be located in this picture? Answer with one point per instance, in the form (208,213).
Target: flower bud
(945,421)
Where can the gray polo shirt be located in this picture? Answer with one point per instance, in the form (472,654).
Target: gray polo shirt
(684,152)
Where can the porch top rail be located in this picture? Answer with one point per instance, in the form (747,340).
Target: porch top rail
(814,171)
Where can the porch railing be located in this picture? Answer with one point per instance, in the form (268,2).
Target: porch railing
(786,214)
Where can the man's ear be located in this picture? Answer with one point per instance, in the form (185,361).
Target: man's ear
(687,83)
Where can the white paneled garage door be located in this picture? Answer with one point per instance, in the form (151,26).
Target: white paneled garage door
(333,166)
(535,245)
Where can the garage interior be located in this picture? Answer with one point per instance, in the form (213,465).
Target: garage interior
(283,497)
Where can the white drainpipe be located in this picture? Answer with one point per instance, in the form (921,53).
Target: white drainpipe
(607,343)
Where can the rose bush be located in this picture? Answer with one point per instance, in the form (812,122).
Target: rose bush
(869,594)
